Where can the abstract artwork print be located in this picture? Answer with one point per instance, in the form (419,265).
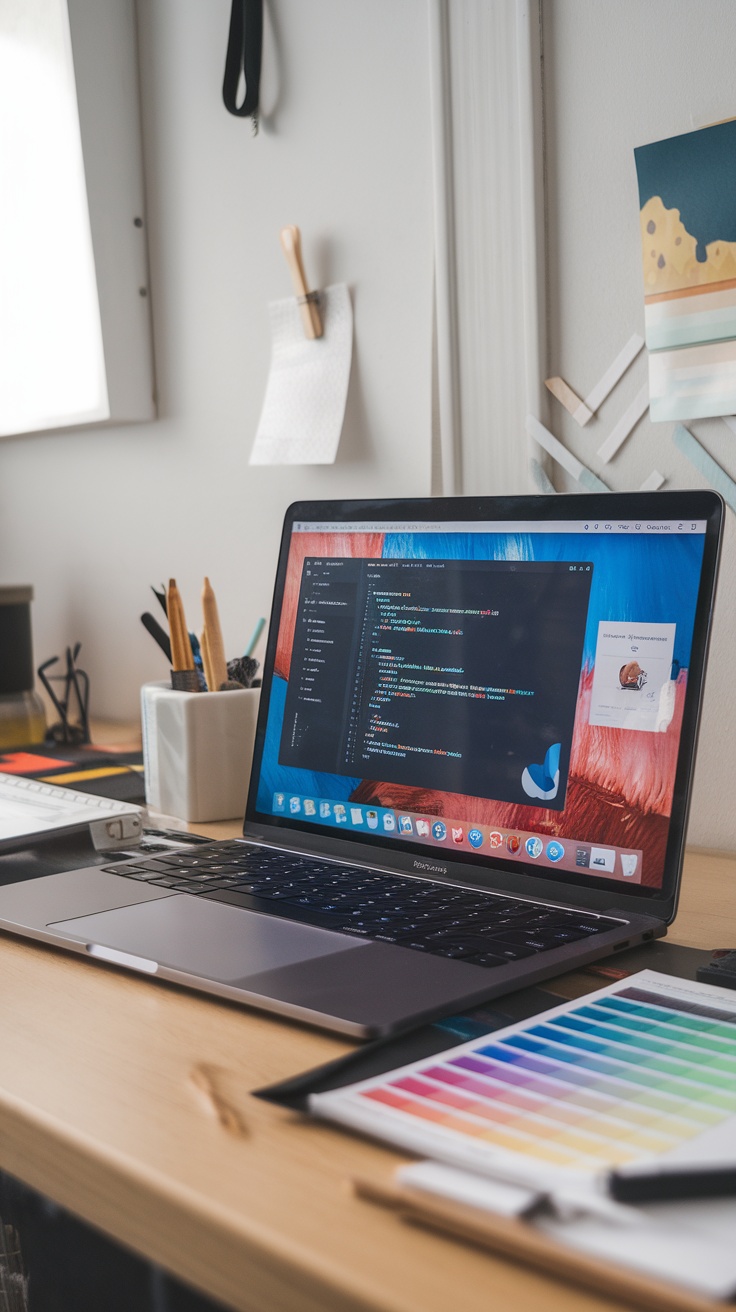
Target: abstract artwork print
(687,202)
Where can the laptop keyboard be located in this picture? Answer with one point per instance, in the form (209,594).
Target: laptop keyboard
(480,928)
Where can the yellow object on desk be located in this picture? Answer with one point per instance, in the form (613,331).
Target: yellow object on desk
(22,719)
(22,715)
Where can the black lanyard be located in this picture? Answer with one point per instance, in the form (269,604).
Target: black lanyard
(244,47)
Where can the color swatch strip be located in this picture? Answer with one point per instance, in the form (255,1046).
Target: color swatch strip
(624,1077)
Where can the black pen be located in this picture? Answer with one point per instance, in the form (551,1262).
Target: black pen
(663,1184)
(161,598)
(157,633)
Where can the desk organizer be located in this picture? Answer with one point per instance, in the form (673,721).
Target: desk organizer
(197,751)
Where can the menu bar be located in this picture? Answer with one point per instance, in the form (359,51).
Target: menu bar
(607,527)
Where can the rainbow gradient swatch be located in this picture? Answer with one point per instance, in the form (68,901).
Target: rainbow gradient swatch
(632,1072)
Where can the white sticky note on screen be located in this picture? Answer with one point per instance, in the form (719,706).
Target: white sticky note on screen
(304,406)
(633,663)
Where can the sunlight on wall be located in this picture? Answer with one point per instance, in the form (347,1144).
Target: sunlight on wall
(52,368)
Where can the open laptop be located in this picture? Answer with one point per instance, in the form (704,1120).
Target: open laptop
(472,766)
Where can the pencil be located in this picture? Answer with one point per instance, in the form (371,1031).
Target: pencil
(181,648)
(212,639)
(209,673)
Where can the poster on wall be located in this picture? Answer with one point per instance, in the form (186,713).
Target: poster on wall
(687,202)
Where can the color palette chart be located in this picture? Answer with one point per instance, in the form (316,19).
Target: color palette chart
(629,1073)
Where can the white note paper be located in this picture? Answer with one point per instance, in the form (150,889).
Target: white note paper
(304,405)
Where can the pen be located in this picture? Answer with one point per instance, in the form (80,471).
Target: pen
(663,1184)
(258,630)
(160,597)
(157,633)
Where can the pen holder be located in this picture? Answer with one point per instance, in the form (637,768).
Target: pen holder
(197,750)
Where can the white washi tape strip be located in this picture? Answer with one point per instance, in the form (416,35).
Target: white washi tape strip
(628,420)
(564,457)
(571,401)
(705,464)
(731,421)
(614,372)
(582,411)
(654,481)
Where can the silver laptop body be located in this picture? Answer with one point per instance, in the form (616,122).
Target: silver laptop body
(474,712)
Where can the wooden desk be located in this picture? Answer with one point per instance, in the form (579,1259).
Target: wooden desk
(99,1110)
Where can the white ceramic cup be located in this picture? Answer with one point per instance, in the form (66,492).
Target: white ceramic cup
(197,751)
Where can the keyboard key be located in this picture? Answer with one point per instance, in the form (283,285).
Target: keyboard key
(157,867)
(128,871)
(198,876)
(185,859)
(144,876)
(512,952)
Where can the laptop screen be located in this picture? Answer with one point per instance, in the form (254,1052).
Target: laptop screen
(506,692)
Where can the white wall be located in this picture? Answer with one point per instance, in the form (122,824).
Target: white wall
(92,518)
(617,76)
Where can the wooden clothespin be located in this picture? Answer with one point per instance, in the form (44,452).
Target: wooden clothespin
(291,244)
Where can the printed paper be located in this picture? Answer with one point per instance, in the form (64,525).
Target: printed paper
(633,664)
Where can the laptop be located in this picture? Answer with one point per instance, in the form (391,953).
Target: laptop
(36,809)
(472,766)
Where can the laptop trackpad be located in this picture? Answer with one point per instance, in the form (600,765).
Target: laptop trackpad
(206,938)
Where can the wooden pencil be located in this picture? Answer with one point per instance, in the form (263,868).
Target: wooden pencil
(209,673)
(212,635)
(181,647)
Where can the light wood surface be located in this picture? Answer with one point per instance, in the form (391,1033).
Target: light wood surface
(127,1101)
